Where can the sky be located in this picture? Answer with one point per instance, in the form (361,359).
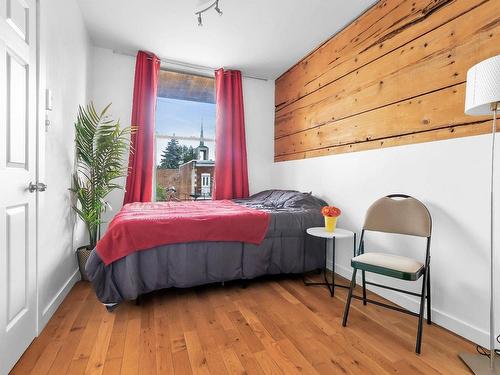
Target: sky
(184,118)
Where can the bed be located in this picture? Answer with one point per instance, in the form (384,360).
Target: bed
(189,264)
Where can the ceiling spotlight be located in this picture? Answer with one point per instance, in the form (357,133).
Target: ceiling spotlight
(217,9)
(203,6)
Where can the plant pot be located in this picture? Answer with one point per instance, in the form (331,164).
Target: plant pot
(330,223)
(83,254)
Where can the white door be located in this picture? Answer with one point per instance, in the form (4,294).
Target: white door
(18,310)
(205,184)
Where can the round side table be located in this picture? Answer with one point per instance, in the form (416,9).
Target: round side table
(322,233)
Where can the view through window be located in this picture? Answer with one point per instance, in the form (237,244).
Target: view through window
(185,137)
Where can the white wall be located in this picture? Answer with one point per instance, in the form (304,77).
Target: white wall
(65,52)
(112,81)
(258,102)
(450,177)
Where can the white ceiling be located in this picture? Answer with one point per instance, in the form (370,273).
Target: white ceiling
(261,37)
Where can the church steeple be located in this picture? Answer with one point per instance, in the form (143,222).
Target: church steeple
(202,143)
(202,150)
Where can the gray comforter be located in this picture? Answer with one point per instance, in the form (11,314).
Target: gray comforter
(189,264)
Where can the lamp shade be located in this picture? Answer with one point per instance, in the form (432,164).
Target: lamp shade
(483,86)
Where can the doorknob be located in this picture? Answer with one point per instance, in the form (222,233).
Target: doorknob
(39,186)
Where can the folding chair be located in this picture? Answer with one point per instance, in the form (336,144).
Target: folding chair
(401,214)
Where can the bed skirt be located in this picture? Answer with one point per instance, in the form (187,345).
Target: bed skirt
(186,265)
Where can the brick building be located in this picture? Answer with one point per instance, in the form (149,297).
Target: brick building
(197,176)
(194,179)
(167,177)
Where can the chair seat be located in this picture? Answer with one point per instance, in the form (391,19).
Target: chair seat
(389,265)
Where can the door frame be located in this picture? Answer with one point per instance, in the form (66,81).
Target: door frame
(40,150)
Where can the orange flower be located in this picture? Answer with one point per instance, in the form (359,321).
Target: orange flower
(331,211)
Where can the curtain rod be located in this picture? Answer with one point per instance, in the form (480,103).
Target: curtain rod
(187,65)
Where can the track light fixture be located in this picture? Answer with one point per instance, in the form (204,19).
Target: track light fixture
(217,9)
(203,6)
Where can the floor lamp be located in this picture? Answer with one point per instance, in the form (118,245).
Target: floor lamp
(483,98)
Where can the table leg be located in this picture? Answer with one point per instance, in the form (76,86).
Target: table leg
(326,282)
(333,265)
(325,269)
(331,285)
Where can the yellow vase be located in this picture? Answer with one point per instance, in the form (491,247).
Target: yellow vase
(330,223)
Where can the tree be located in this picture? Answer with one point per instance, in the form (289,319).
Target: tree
(188,153)
(176,154)
(161,193)
(172,155)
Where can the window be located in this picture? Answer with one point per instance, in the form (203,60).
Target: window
(185,136)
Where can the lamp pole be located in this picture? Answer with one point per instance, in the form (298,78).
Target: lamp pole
(494,108)
(482,97)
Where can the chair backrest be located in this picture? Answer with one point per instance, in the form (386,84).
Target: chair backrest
(400,214)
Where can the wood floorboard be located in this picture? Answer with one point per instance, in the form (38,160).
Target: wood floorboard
(274,326)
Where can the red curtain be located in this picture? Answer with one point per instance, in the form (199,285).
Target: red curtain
(231,174)
(139,187)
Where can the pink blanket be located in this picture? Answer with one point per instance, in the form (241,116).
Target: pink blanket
(141,226)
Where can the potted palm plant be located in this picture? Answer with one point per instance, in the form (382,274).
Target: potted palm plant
(101,144)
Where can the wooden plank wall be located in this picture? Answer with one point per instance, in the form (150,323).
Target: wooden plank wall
(394,76)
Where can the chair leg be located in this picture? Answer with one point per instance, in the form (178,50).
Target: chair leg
(364,287)
(349,297)
(421,315)
(429,319)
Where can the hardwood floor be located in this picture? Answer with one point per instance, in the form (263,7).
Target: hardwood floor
(274,326)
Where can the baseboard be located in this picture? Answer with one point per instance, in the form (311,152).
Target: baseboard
(441,318)
(51,308)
